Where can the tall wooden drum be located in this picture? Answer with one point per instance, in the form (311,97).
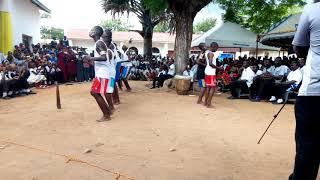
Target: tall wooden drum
(182,84)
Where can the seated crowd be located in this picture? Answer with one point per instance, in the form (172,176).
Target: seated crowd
(41,66)
(261,79)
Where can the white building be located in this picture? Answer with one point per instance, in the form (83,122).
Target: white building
(164,42)
(21,22)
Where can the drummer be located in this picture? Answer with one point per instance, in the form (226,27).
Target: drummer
(169,75)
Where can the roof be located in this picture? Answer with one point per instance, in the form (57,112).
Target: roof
(123,36)
(230,35)
(282,33)
(40,6)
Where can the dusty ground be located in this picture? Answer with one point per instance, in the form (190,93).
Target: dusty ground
(205,144)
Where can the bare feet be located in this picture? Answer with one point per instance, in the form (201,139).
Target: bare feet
(209,106)
(104,118)
(199,102)
(128,90)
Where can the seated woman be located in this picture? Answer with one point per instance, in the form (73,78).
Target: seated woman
(35,76)
(293,80)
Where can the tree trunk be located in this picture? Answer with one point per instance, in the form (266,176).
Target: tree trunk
(147,42)
(184,31)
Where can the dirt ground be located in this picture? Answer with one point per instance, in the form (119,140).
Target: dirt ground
(154,135)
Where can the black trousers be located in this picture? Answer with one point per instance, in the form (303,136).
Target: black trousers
(162,78)
(279,89)
(262,88)
(236,87)
(307,138)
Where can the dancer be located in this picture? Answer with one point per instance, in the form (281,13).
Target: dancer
(210,74)
(200,72)
(107,39)
(126,67)
(101,81)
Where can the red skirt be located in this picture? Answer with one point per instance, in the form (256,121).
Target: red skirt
(210,80)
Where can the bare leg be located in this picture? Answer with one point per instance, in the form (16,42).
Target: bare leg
(109,101)
(211,93)
(103,106)
(202,92)
(120,84)
(207,91)
(126,83)
(115,95)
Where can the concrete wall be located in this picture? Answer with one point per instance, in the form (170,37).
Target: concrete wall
(25,20)
(163,47)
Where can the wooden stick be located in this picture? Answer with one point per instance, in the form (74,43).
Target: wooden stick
(58,96)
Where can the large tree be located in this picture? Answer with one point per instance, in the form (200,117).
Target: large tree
(147,19)
(258,15)
(184,12)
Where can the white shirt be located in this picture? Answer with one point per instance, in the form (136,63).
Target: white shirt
(259,72)
(308,35)
(295,76)
(101,68)
(248,75)
(281,71)
(210,70)
(172,70)
(271,70)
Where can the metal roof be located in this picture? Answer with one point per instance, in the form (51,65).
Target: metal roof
(282,33)
(40,6)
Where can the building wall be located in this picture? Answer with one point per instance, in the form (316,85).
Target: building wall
(25,20)
(89,44)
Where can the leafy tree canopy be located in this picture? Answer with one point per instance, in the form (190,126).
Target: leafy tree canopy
(51,33)
(258,15)
(205,25)
(115,25)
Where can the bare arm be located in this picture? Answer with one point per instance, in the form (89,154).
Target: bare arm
(101,48)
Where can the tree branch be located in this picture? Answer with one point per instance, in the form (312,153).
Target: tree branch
(138,31)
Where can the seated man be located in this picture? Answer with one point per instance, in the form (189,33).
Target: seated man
(280,70)
(169,75)
(162,71)
(263,83)
(244,83)
(293,80)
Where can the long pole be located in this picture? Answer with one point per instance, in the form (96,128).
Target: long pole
(274,118)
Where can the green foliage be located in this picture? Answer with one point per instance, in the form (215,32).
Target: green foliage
(163,26)
(45,16)
(205,25)
(51,33)
(258,15)
(156,6)
(115,25)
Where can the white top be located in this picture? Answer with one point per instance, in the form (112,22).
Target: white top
(259,72)
(172,70)
(247,75)
(101,68)
(281,71)
(308,35)
(271,70)
(210,70)
(295,76)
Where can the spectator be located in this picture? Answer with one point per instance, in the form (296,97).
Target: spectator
(244,83)
(293,80)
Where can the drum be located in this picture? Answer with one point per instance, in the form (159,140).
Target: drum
(182,84)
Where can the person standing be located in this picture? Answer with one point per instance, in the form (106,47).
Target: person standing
(210,73)
(200,72)
(101,81)
(307,44)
